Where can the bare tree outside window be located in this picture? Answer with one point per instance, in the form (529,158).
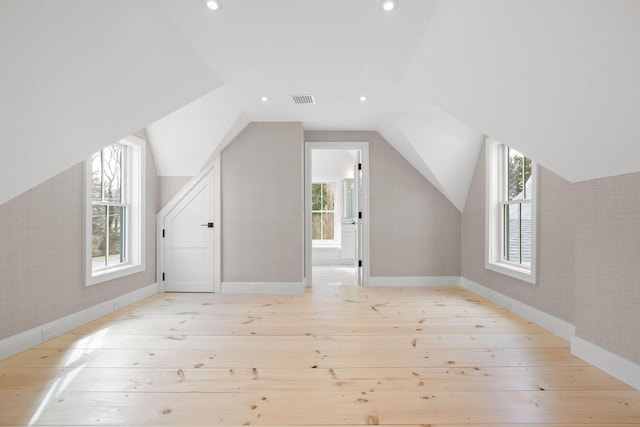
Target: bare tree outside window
(109,209)
(323,210)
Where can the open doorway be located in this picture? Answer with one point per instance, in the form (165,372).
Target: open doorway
(336,232)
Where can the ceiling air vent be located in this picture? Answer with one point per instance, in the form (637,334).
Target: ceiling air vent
(304,99)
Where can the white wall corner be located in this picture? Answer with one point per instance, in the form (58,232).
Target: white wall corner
(614,365)
(560,327)
(413,281)
(272,288)
(24,340)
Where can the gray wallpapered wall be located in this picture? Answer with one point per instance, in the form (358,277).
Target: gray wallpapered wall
(589,236)
(41,243)
(589,247)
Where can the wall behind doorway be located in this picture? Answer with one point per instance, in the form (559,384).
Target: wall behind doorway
(414,229)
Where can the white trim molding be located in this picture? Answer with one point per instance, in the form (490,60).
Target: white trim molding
(262,287)
(309,146)
(614,365)
(413,281)
(134,189)
(560,327)
(495,182)
(35,336)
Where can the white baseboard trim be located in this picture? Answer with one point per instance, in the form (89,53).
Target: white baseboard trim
(24,340)
(614,365)
(413,282)
(262,287)
(551,323)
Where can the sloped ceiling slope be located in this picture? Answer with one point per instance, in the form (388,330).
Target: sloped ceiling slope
(333,49)
(558,80)
(439,146)
(79,75)
(183,140)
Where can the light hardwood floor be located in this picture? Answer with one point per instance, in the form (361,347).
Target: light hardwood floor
(336,356)
(334,275)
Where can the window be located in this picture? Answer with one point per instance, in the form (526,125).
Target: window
(114,211)
(511,212)
(323,211)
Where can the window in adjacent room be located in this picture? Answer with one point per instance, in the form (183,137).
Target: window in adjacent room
(511,212)
(114,211)
(323,211)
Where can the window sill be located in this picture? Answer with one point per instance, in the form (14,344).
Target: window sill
(520,273)
(112,273)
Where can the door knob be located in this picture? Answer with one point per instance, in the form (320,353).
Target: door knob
(208,225)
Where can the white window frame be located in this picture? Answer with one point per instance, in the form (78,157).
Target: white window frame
(496,182)
(337,214)
(133,187)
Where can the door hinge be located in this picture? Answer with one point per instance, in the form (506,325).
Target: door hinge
(359,166)
(359,215)
(359,263)
(163,233)
(163,277)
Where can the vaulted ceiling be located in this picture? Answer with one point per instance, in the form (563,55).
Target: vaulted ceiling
(558,80)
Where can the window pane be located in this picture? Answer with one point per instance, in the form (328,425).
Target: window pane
(527,178)
(512,233)
(116,235)
(328,192)
(98,239)
(316,226)
(112,173)
(525,232)
(96,176)
(316,197)
(327,226)
(515,175)
(348,191)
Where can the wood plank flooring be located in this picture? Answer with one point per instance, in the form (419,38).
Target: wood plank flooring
(337,356)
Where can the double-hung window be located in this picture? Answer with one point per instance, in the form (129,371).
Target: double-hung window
(323,215)
(511,212)
(114,209)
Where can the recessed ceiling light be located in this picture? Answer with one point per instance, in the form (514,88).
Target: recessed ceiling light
(389,5)
(363,98)
(264,98)
(213,4)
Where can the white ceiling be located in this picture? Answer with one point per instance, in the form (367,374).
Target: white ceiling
(335,50)
(558,80)
(78,75)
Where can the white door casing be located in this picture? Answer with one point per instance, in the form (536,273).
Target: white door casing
(362,225)
(358,178)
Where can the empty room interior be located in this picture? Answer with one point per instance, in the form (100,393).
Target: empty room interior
(320,213)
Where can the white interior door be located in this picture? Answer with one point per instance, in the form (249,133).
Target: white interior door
(189,241)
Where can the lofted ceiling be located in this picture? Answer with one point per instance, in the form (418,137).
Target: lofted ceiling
(78,75)
(335,50)
(558,80)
